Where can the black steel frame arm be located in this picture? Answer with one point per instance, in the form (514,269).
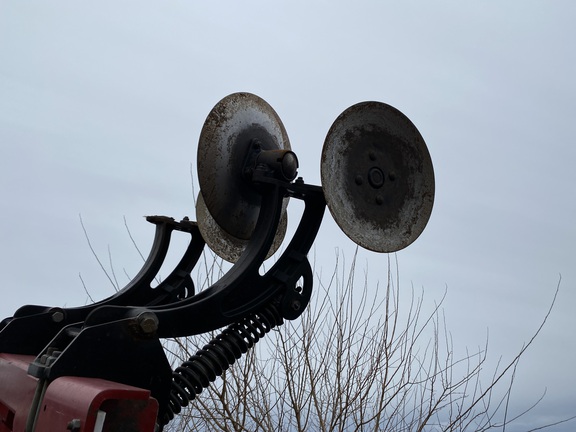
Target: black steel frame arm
(32,327)
(242,290)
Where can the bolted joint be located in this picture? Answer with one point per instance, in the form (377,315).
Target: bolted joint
(148,322)
(57,316)
(74,425)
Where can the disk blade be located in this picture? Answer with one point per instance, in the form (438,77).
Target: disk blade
(226,137)
(377,177)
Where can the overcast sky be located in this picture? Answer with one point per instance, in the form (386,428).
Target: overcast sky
(101,106)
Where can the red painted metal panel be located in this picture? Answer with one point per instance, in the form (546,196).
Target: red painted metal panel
(16,391)
(72,399)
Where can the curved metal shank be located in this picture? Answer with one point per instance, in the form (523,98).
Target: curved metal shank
(243,290)
(32,327)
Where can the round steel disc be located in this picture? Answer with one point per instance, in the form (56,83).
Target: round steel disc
(377,177)
(225,245)
(224,142)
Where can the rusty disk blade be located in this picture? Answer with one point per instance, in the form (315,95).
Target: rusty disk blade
(224,142)
(225,245)
(377,177)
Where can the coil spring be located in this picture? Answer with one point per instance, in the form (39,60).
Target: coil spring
(216,357)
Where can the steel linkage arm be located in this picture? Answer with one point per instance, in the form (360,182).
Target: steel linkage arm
(242,289)
(32,327)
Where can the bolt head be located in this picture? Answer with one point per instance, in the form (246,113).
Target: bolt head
(148,322)
(57,316)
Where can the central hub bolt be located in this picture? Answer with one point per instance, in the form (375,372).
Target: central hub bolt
(376,177)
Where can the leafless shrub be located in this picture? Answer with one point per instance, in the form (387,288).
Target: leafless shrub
(359,358)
